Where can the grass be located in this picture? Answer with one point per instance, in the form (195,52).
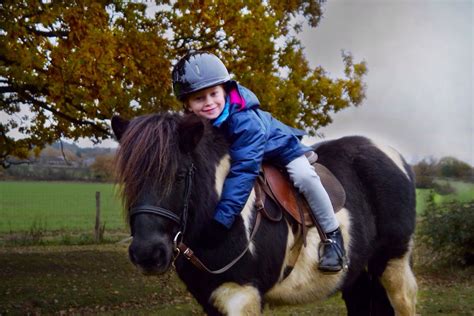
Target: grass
(69,206)
(89,279)
(38,213)
(51,206)
(48,213)
(99,279)
(464,192)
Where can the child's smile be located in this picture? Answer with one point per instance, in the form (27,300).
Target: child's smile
(208,103)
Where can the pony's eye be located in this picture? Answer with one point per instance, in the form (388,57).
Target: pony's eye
(180,176)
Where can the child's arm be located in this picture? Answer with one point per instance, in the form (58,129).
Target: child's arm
(246,152)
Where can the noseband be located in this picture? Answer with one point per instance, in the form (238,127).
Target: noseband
(163,212)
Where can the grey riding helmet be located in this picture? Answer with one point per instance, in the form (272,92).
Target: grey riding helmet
(196,71)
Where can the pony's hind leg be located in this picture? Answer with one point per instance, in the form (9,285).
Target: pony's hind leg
(234,299)
(400,283)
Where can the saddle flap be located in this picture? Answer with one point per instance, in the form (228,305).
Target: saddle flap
(333,187)
(285,193)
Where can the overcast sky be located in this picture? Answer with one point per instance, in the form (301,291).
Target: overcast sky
(420,79)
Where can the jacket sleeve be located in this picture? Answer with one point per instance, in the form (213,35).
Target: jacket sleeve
(246,153)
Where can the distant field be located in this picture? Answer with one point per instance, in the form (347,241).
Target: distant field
(56,206)
(464,193)
(71,206)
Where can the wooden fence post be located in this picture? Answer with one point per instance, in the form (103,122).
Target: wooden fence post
(97,217)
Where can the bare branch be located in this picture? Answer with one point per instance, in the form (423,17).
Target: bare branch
(62,152)
(7,163)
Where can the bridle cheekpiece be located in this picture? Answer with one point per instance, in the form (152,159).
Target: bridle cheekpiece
(163,212)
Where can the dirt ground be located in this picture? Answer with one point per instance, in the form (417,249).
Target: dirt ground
(99,279)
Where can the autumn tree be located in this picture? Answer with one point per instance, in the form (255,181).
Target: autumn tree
(66,155)
(452,167)
(67,66)
(103,167)
(425,173)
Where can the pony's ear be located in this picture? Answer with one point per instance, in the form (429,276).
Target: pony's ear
(119,126)
(191,129)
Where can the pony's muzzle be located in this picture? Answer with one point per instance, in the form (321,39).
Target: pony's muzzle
(150,258)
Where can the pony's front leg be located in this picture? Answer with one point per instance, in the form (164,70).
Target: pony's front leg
(233,299)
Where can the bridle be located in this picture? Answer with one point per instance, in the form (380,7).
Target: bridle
(163,212)
(179,246)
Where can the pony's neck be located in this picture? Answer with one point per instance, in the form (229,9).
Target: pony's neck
(212,164)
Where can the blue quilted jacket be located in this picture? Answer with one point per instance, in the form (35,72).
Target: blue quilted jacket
(254,135)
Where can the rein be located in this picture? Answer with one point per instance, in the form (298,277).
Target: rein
(180,247)
(189,254)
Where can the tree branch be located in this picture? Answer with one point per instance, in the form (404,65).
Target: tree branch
(69,118)
(62,152)
(7,89)
(7,62)
(22,88)
(24,92)
(6,163)
(54,33)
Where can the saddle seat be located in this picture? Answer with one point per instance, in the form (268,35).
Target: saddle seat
(277,185)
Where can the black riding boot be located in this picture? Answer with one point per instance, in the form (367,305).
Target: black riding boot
(333,256)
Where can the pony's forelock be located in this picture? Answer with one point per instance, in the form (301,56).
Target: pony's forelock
(148,155)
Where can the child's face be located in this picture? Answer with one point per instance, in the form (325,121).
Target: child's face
(208,103)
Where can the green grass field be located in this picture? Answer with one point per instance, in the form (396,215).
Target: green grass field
(464,192)
(70,206)
(99,279)
(53,206)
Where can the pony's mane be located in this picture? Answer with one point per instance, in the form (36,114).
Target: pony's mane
(148,155)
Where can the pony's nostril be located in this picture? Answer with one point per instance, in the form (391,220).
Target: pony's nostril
(158,252)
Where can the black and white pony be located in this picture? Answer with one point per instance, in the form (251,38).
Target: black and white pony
(157,153)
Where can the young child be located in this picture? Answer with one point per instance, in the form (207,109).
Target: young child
(203,84)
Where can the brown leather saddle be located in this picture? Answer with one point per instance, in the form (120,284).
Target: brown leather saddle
(277,185)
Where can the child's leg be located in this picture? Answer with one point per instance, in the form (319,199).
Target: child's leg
(307,181)
(304,178)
